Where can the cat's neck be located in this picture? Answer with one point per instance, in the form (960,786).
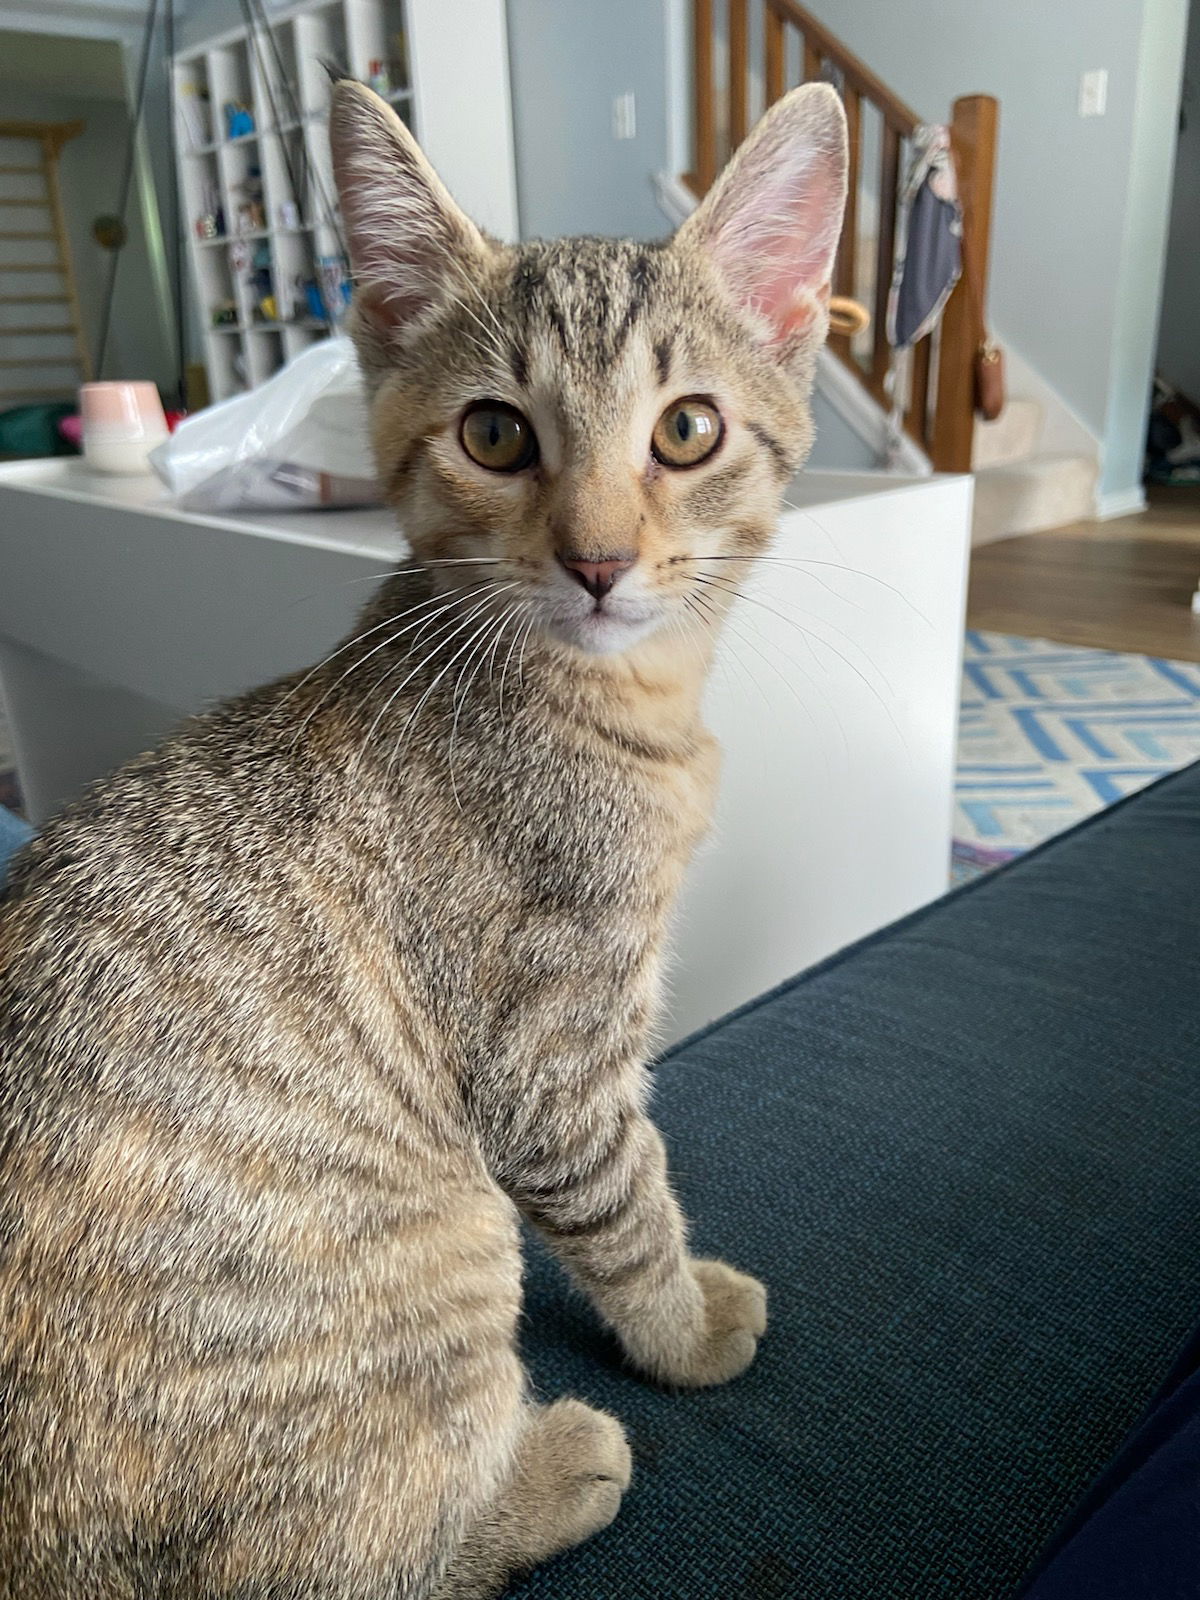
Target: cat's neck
(651,693)
(647,697)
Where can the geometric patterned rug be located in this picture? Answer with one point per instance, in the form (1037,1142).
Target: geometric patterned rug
(1049,733)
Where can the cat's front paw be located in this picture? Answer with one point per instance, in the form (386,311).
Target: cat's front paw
(735,1315)
(733,1319)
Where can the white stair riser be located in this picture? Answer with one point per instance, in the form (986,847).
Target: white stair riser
(1013,436)
(1032,495)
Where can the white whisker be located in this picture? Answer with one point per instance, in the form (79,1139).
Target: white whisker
(808,635)
(443,638)
(421,622)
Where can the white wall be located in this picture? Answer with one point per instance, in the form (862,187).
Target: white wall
(1179,331)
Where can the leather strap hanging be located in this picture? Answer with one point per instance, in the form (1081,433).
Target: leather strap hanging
(989,357)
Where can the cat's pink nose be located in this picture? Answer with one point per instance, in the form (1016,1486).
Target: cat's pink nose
(597,577)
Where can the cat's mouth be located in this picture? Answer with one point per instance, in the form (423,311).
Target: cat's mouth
(603,627)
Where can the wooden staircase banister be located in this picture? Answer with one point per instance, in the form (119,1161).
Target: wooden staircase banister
(938,408)
(854,72)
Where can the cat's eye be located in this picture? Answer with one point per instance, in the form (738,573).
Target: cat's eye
(687,433)
(498,437)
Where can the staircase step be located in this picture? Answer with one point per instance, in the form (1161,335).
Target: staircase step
(1031,495)
(1013,435)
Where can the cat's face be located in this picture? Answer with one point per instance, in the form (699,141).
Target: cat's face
(583,425)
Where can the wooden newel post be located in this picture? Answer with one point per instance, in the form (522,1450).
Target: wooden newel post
(973,129)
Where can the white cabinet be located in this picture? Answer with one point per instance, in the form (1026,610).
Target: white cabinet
(268,270)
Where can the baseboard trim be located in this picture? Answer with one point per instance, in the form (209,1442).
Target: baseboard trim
(675,199)
(1120,503)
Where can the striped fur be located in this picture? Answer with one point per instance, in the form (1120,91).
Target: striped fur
(300,1012)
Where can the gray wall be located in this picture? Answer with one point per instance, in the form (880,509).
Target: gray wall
(569,58)
(1179,332)
(1064,189)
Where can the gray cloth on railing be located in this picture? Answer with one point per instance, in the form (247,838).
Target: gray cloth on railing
(928,240)
(928,260)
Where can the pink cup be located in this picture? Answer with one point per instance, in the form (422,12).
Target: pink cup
(122,423)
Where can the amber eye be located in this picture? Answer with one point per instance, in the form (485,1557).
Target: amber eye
(498,437)
(687,433)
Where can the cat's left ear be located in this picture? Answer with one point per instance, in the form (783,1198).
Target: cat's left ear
(771,222)
(408,240)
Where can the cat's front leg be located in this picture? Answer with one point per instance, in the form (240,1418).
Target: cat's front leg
(600,1195)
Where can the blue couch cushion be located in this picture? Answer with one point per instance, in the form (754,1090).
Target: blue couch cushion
(965,1157)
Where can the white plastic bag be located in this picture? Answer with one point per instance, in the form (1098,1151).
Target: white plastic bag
(298,442)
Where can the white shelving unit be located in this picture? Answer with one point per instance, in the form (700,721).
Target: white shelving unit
(263,230)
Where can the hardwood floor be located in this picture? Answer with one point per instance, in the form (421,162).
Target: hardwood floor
(1120,585)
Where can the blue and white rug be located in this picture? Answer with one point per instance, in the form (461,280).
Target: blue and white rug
(1050,733)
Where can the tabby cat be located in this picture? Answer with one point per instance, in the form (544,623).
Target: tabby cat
(301,1012)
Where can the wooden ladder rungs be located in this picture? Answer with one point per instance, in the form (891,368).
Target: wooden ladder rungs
(44,223)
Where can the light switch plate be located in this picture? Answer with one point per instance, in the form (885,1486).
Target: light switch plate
(1093,92)
(624,116)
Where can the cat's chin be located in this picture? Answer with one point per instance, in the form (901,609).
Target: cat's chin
(601,633)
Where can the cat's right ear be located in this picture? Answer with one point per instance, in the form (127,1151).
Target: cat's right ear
(407,239)
(771,222)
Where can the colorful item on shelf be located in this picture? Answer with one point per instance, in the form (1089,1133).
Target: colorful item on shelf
(261,286)
(251,213)
(239,120)
(378,77)
(210,224)
(334,278)
(224,314)
(311,290)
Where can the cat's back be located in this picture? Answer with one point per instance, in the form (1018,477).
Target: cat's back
(233,1188)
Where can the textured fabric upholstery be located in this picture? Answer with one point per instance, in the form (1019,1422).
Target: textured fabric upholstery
(965,1157)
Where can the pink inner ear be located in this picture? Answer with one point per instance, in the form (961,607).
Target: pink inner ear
(801,313)
(776,236)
